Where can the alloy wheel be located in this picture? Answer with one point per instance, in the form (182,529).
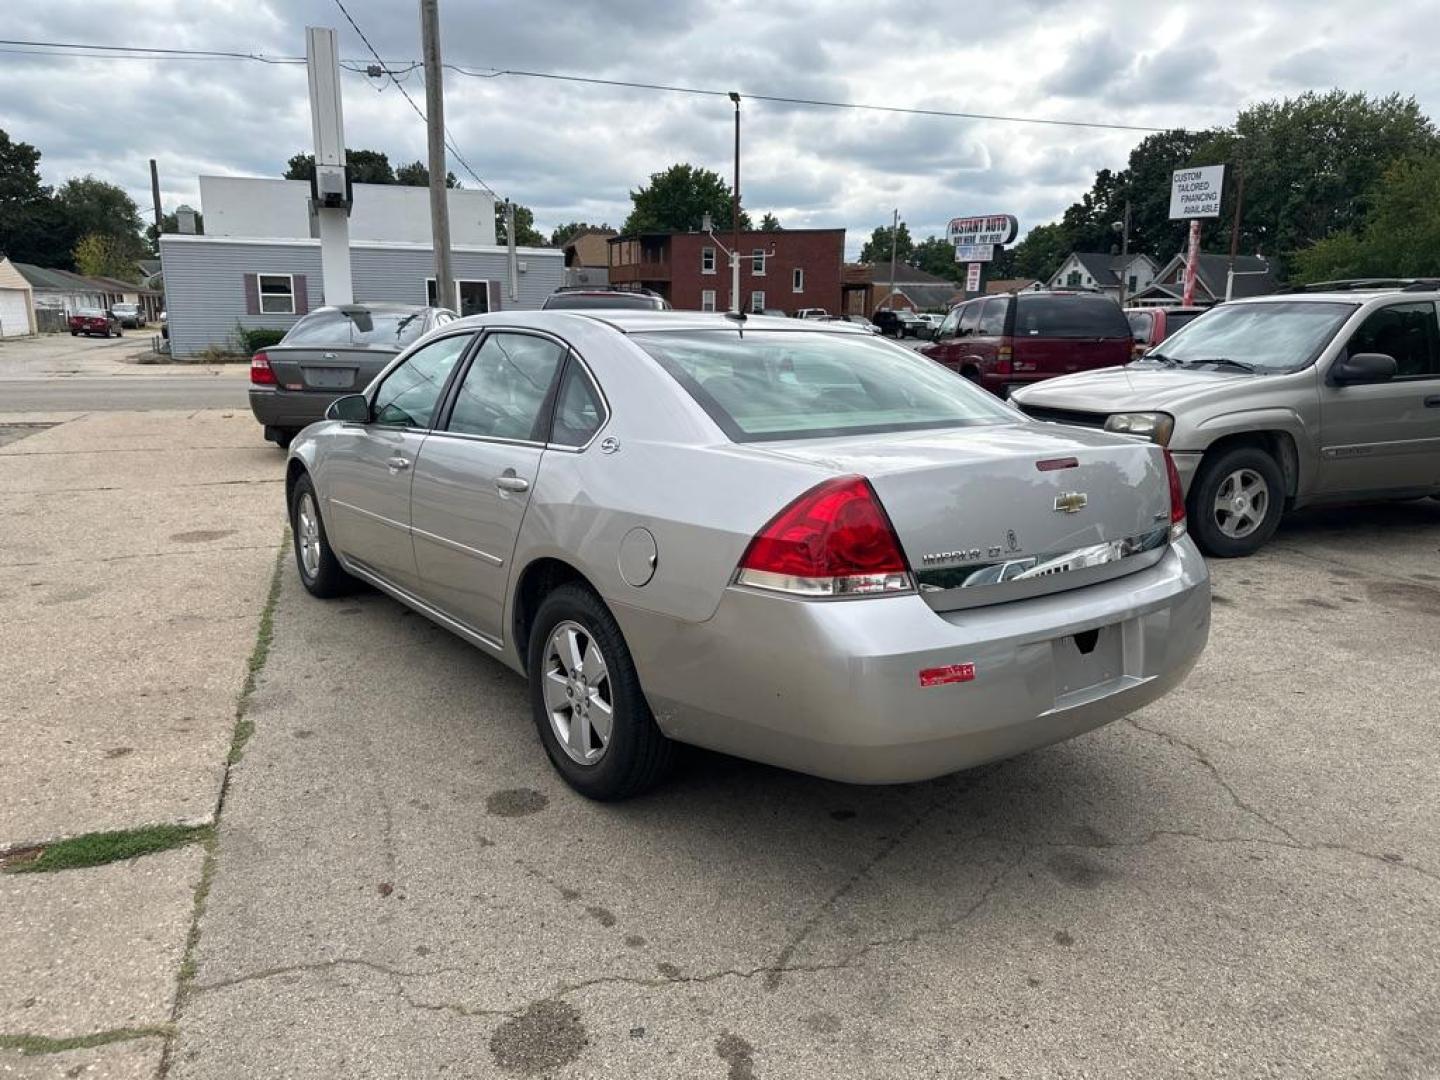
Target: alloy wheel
(307,534)
(578,699)
(1241,503)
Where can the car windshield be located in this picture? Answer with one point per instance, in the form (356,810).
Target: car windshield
(563,301)
(769,385)
(1276,335)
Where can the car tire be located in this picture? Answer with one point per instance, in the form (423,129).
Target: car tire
(74,333)
(281,437)
(320,570)
(635,756)
(1236,502)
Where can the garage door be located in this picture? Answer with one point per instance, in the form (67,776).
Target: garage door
(14,313)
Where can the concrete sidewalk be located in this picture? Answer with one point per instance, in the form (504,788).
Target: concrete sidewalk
(137,557)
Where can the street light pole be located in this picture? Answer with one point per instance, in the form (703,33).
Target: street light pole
(735,216)
(1235,231)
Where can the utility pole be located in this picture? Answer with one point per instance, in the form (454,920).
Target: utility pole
(1235,231)
(435,123)
(894,239)
(330,184)
(735,216)
(1124,253)
(510,250)
(155,197)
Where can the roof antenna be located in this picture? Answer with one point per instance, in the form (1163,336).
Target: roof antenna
(737,317)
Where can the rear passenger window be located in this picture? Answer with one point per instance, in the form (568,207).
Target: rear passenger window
(578,412)
(992,318)
(1069,316)
(504,390)
(1408,332)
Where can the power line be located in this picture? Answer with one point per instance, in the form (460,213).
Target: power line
(492,73)
(449,142)
(110,51)
(131,52)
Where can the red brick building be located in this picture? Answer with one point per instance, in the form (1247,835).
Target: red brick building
(785,270)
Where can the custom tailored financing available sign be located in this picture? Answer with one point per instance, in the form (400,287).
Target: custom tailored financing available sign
(988,229)
(1195,193)
(968,253)
(972,276)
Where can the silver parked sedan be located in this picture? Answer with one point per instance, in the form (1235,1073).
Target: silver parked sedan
(790,541)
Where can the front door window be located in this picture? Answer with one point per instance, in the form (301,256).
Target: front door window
(410,393)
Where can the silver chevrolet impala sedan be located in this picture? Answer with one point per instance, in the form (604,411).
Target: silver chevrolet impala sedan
(793,542)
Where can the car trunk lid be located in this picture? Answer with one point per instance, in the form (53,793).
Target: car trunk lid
(992,514)
(339,368)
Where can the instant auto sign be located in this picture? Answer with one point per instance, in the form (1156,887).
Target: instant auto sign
(1195,193)
(988,229)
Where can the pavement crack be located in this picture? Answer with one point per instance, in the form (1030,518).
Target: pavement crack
(321,965)
(1199,755)
(782,964)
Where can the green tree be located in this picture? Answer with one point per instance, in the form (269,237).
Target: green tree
(562,234)
(169,224)
(770,223)
(877,248)
(936,255)
(1040,253)
(1400,234)
(1310,160)
(31,228)
(526,235)
(366,167)
(417,174)
(678,199)
(91,206)
(105,255)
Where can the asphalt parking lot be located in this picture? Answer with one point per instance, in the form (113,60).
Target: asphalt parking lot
(1241,880)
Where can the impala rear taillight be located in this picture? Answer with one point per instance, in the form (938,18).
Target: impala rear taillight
(835,540)
(1177,498)
(260,373)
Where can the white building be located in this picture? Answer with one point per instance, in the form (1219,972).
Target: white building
(1095,270)
(258,263)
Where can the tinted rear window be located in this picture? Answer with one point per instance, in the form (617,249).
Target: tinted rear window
(805,385)
(1141,323)
(393,328)
(1038,315)
(575,301)
(1176,319)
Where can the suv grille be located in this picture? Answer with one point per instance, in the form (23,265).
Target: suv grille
(1065,416)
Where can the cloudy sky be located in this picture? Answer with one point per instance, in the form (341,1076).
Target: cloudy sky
(573,151)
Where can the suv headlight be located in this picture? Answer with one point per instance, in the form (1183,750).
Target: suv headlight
(1155,426)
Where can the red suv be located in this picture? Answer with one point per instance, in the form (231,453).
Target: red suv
(1008,341)
(1152,325)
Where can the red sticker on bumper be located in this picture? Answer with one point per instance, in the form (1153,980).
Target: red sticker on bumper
(952,673)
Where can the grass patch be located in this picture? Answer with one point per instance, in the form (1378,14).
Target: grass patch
(97,849)
(264,636)
(32,1045)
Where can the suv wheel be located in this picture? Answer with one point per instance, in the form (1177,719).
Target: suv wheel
(1236,502)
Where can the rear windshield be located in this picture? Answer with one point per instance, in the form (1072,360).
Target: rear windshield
(575,301)
(1141,323)
(393,328)
(1038,315)
(802,385)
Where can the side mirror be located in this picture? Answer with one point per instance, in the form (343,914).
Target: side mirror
(351,409)
(1363,368)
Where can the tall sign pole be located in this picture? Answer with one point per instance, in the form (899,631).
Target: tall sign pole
(894,239)
(976,240)
(435,125)
(1195,194)
(330,183)
(735,216)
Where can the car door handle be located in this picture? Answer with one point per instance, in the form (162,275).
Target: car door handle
(1433,401)
(398,463)
(512,483)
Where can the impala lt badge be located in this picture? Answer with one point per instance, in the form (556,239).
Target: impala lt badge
(1072,502)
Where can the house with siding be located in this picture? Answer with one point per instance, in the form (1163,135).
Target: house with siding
(17,302)
(1106,273)
(257,265)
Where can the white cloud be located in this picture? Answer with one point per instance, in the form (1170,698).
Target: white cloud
(573,150)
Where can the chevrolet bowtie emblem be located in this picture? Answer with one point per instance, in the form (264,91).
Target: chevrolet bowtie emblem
(1072,502)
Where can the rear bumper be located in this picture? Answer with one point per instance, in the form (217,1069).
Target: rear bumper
(833,689)
(289,408)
